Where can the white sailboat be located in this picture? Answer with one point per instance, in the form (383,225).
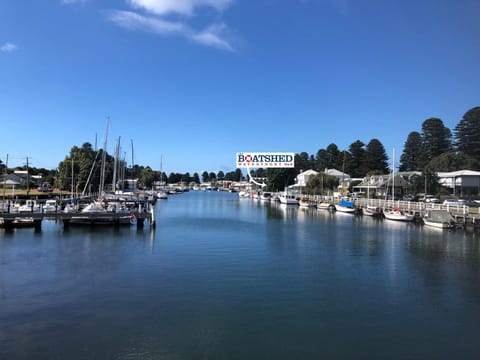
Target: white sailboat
(396,213)
(162,194)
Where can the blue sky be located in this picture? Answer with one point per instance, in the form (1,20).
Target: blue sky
(199,80)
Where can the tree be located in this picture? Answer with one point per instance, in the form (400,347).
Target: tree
(453,161)
(334,157)
(196,178)
(146,177)
(205,176)
(376,158)
(320,184)
(436,138)
(413,156)
(220,175)
(279,178)
(467,133)
(302,162)
(322,160)
(212,177)
(186,178)
(356,165)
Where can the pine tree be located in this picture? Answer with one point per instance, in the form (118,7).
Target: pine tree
(412,158)
(436,138)
(467,133)
(356,166)
(376,158)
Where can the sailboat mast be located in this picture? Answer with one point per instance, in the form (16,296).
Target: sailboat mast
(133,168)
(5,182)
(393,177)
(104,155)
(115,164)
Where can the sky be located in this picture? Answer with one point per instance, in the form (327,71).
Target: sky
(191,82)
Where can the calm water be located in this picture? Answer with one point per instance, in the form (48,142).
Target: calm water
(228,278)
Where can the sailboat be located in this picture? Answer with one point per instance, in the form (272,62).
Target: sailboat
(162,194)
(396,213)
(97,211)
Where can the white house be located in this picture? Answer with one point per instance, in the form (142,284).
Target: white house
(302,178)
(460,182)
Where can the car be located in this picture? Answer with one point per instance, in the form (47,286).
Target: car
(409,198)
(453,202)
(45,188)
(431,199)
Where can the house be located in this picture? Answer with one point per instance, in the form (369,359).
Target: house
(461,182)
(382,185)
(302,178)
(344,179)
(13,179)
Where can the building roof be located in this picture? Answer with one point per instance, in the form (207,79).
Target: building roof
(308,172)
(336,173)
(458,173)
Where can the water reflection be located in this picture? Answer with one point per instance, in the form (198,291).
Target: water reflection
(219,272)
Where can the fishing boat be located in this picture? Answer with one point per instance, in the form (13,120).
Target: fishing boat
(439,219)
(288,199)
(398,215)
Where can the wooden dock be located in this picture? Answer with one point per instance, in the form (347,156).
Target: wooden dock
(469,217)
(34,219)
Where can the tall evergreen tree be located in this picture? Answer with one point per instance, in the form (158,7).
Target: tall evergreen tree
(412,158)
(356,166)
(302,162)
(334,157)
(376,158)
(467,133)
(436,138)
(322,160)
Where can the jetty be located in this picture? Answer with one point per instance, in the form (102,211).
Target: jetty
(465,216)
(138,216)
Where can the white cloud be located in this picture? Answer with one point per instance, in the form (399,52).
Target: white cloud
(135,21)
(8,47)
(184,7)
(68,2)
(211,36)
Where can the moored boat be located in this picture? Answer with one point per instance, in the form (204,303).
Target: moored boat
(306,203)
(345,206)
(288,199)
(371,211)
(50,206)
(439,219)
(398,215)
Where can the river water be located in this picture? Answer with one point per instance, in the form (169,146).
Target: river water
(228,278)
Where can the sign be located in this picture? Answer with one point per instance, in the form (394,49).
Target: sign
(265,160)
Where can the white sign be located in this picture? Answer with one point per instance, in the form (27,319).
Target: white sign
(265,160)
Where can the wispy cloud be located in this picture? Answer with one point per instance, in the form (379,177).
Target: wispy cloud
(135,21)
(68,2)
(8,47)
(213,36)
(156,18)
(185,7)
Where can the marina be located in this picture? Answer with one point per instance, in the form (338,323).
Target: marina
(227,277)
